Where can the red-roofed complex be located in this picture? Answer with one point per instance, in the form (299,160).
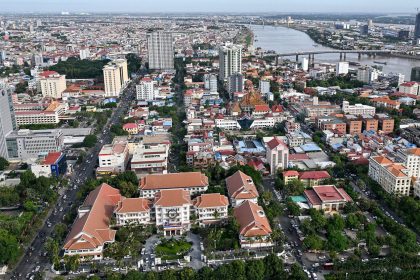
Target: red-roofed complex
(194,182)
(91,229)
(241,188)
(211,208)
(255,230)
(328,198)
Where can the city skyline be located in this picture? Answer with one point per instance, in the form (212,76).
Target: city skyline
(215,6)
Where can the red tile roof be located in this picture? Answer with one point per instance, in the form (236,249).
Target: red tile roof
(91,229)
(314,175)
(133,205)
(174,181)
(326,194)
(52,158)
(211,200)
(171,198)
(252,220)
(241,186)
(273,143)
(290,173)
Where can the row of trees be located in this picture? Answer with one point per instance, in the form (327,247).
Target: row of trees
(269,268)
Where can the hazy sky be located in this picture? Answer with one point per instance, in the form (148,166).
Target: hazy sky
(367,6)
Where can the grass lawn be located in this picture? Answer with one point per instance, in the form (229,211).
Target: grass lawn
(173,249)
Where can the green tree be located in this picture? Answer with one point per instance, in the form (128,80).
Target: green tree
(293,208)
(255,270)
(90,141)
(3,164)
(9,247)
(337,241)
(313,242)
(296,273)
(72,263)
(294,187)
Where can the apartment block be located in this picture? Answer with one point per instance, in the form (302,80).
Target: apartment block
(115,77)
(358,109)
(393,177)
(385,123)
(370,123)
(354,124)
(52,84)
(150,159)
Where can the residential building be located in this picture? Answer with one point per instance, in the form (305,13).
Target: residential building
(131,211)
(50,115)
(354,124)
(160,50)
(289,176)
(211,208)
(254,227)
(210,82)
(416,39)
(264,86)
(115,77)
(54,164)
(230,60)
(113,158)
(385,123)
(84,53)
(277,155)
(386,102)
(172,208)
(370,123)
(411,160)
(52,84)
(91,230)
(393,177)
(194,182)
(146,90)
(358,109)
(327,198)
(241,188)
(24,144)
(7,116)
(308,178)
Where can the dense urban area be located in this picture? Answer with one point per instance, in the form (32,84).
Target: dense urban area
(174,147)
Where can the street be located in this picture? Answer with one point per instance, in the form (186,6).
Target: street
(35,254)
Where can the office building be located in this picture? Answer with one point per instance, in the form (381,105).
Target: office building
(7,117)
(115,77)
(37,59)
(24,144)
(54,164)
(3,55)
(342,68)
(52,84)
(160,50)
(415,74)
(113,158)
(235,83)
(230,60)
(146,90)
(367,74)
(416,40)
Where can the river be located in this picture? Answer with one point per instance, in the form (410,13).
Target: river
(287,40)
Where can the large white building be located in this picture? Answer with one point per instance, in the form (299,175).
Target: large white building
(393,177)
(52,84)
(277,155)
(115,77)
(150,159)
(410,88)
(342,68)
(230,60)
(210,82)
(211,208)
(160,50)
(131,211)
(411,160)
(33,115)
(84,53)
(264,86)
(24,144)
(358,109)
(146,90)
(113,158)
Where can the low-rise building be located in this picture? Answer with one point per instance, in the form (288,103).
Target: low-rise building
(150,159)
(358,109)
(277,155)
(254,227)
(327,198)
(54,164)
(211,208)
(113,158)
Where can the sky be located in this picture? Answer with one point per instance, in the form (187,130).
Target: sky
(240,6)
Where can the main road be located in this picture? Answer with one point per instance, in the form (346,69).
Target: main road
(35,257)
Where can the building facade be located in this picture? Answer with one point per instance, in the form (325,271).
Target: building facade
(277,155)
(7,116)
(160,50)
(115,77)
(52,84)
(230,60)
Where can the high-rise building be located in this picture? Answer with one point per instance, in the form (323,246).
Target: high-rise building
(230,60)
(37,59)
(417,30)
(415,74)
(367,74)
(210,82)
(84,53)
(235,83)
(115,77)
(2,55)
(146,90)
(160,49)
(7,119)
(264,86)
(52,84)
(305,64)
